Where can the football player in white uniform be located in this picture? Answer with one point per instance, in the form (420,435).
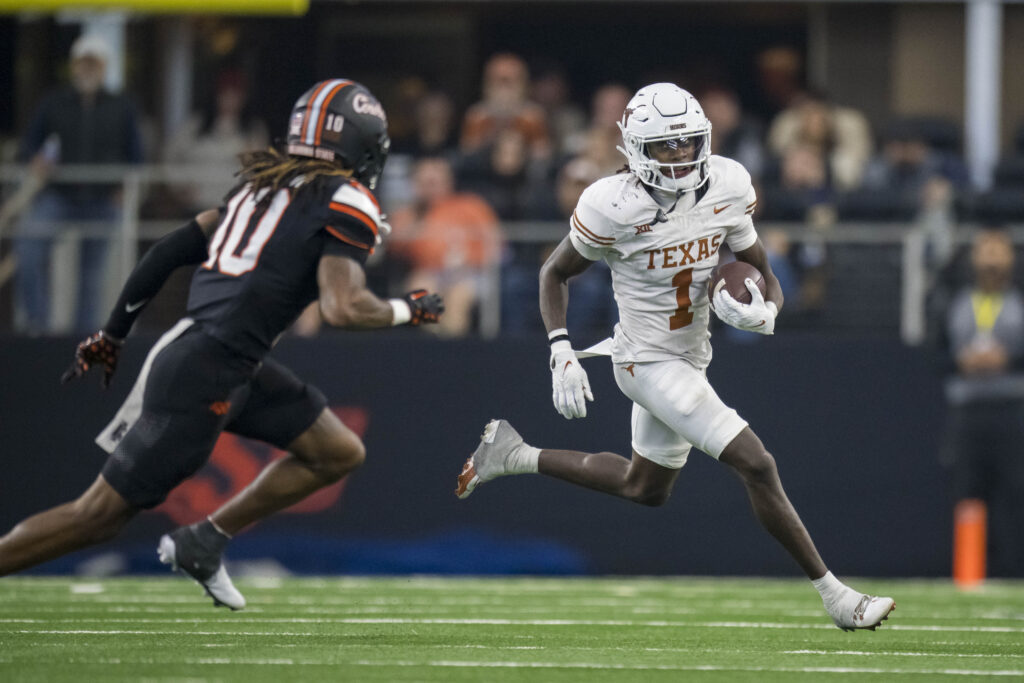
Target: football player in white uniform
(659,228)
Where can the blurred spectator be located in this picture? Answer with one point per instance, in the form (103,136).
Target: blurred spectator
(799,188)
(984,445)
(908,176)
(515,184)
(431,134)
(433,128)
(505,105)
(451,241)
(733,134)
(840,134)
(598,142)
(215,137)
(401,101)
(593,311)
(551,91)
(779,79)
(1004,201)
(79,123)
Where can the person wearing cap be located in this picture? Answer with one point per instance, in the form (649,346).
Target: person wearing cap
(80,122)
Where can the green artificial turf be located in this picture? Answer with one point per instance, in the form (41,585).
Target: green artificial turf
(501,629)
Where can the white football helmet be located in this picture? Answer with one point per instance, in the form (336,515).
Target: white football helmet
(665,113)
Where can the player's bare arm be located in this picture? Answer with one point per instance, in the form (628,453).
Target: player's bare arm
(346,302)
(757,256)
(564,263)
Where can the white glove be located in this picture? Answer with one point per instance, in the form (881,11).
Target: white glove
(757,316)
(570,386)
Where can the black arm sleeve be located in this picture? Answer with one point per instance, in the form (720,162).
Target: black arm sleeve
(184,246)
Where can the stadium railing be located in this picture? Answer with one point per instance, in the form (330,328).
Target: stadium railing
(878,274)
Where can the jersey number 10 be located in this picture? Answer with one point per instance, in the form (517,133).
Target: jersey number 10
(228,253)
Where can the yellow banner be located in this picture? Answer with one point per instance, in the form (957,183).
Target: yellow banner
(292,7)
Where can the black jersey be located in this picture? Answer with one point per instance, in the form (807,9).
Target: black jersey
(261,270)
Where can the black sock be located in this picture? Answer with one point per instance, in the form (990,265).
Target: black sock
(209,537)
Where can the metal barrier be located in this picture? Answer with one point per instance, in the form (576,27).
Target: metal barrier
(905,244)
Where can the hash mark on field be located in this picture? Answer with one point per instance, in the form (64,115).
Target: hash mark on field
(86,588)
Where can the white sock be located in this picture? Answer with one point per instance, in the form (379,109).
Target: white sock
(523,460)
(829,587)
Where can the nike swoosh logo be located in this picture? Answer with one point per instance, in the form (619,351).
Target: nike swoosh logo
(567,364)
(759,324)
(131,308)
(720,210)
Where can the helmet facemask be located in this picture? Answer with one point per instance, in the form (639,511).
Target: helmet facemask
(689,173)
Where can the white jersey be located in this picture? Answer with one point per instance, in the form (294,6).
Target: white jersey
(661,262)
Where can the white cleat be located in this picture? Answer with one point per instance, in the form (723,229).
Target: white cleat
(216,583)
(855,610)
(490,460)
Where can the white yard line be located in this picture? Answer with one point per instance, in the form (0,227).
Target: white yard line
(699,667)
(242,619)
(281,661)
(859,653)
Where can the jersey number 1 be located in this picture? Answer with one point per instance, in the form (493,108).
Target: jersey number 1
(683,315)
(227,252)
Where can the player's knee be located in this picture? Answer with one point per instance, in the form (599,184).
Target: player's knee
(654,498)
(340,458)
(759,467)
(651,495)
(99,520)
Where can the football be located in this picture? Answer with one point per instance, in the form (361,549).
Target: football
(731,276)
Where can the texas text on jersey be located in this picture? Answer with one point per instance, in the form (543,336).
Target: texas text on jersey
(661,262)
(261,270)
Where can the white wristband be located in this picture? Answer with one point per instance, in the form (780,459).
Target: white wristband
(402,312)
(557,333)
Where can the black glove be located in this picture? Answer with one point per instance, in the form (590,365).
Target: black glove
(425,308)
(97,349)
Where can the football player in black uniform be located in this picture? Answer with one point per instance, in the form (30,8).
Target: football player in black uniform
(297,228)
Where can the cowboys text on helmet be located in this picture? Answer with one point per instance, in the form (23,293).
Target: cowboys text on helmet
(340,120)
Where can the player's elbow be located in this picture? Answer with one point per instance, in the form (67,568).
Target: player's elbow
(338,311)
(550,274)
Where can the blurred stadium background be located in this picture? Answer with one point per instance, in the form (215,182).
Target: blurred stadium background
(866,201)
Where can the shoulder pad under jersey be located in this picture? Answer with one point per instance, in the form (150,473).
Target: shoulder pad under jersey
(613,202)
(352,200)
(729,180)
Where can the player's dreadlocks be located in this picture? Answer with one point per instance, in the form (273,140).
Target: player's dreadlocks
(273,170)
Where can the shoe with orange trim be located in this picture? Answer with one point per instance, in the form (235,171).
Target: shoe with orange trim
(501,452)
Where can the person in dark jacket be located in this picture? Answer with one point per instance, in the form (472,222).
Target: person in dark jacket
(78,123)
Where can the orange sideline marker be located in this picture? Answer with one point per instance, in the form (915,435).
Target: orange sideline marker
(969,525)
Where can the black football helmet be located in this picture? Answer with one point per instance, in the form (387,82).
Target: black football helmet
(340,120)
